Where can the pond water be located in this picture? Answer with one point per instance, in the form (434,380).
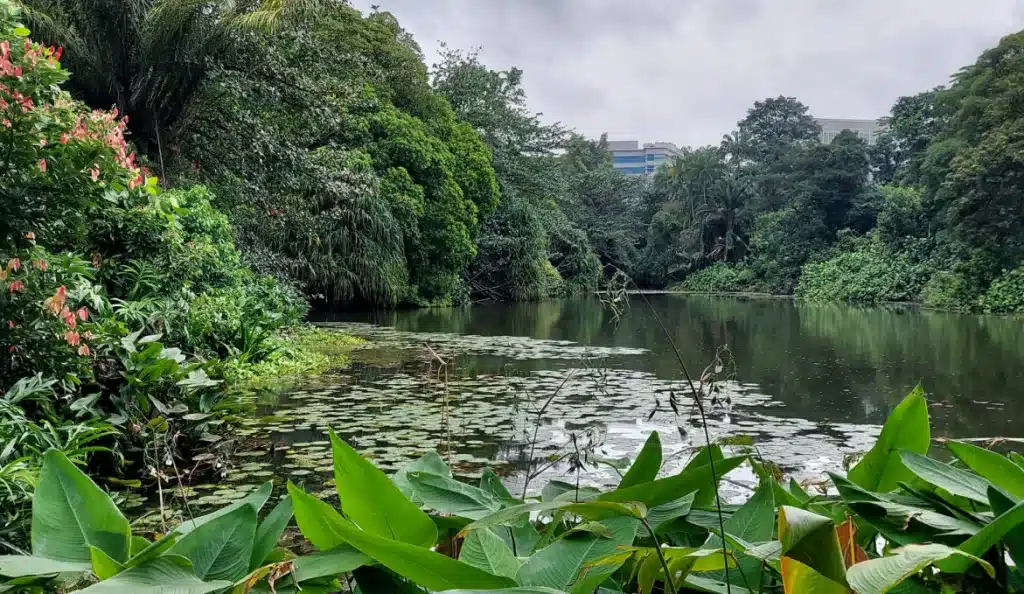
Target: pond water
(808,384)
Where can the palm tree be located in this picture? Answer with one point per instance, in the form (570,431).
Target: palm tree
(148,57)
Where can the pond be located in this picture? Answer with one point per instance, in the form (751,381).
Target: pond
(807,384)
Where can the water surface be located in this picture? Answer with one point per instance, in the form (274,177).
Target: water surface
(808,384)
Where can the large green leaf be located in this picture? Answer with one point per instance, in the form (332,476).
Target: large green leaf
(322,524)
(450,496)
(373,502)
(491,484)
(985,539)
(997,469)
(71,513)
(103,566)
(15,566)
(872,506)
(661,491)
(270,531)
(753,522)
(169,574)
(956,481)
(647,464)
(221,548)
(906,429)
(877,576)
(666,512)
(1014,539)
(485,550)
(528,590)
(430,462)
(561,563)
(334,562)
(810,540)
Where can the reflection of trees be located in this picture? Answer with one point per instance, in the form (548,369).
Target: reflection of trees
(827,362)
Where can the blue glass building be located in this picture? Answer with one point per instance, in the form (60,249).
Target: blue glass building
(632,159)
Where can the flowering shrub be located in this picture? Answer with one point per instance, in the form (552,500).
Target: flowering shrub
(62,163)
(50,325)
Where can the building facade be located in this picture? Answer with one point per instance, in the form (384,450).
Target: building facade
(867,130)
(632,159)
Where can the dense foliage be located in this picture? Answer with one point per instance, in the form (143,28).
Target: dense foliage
(122,306)
(898,521)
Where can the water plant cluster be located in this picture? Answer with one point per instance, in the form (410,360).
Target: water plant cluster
(898,521)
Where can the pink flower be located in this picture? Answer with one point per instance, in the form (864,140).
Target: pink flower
(14,264)
(42,165)
(95,174)
(17,71)
(10,324)
(41,264)
(64,138)
(42,141)
(84,350)
(11,349)
(28,45)
(83,313)
(15,287)
(72,337)
(88,335)
(3,274)
(57,54)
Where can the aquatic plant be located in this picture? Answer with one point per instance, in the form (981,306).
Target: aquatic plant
(899,521)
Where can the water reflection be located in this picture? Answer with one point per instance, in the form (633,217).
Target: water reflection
(809,384)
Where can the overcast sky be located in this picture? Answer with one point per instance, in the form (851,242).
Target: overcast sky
(686,70)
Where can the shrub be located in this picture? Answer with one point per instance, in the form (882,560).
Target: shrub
(863,275)
(720,278)
(1005,294)
(948,290)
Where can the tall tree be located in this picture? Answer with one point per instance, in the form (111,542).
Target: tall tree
(775,125)
(148,57)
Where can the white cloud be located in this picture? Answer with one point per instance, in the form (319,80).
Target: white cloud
(687,70)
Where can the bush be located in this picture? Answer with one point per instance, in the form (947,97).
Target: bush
(863,275)
(720,278)
(948,290)
(1005,294)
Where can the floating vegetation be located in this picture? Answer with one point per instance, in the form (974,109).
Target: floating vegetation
(395,412)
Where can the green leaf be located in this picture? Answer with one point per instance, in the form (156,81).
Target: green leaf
(167,574)
(70,513)
(985,539)
(647,464)
(103,566)
(491,484)
(997,469)
(698,478)
(221,548)
(956,481)
(561,563)
(877,576)
(485,550)
(21,32)
(16,566)
(906,429)
(270,531)
(430,462)
(811,540)
(1014,539)
(137,545)
(590,510)
(337,561)
(530,590)
(450,496)
(374,502)
(152,550)
(321,524)
(666,512)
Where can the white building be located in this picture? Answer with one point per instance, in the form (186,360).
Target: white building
(867,130)
(632,159)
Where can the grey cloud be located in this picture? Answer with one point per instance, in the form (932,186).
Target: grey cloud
(687,70)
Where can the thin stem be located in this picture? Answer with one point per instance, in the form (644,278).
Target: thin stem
(669,582)
(704,423)
(536,428)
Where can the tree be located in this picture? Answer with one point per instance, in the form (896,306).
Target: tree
(147,58)
(773,126)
